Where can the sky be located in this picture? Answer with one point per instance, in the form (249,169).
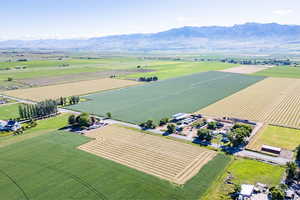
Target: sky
(43,19)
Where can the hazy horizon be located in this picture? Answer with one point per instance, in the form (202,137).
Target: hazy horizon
(54,19)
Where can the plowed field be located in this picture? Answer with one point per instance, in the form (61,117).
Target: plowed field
(164,158)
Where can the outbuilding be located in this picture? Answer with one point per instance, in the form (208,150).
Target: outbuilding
(180,116)
(271,149)
(246,191)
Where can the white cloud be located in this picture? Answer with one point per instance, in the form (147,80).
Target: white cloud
(283,11)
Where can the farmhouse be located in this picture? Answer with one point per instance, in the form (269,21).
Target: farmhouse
(2,125)
(271,149)
(11,125)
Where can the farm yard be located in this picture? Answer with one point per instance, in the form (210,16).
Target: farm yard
(273,100)
(164,98)
(52,161)
(246,69)
(167,159)
(69,89)
(244,171)
(285,138)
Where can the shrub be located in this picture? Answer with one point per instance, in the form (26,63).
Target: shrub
(163,121)
(212,125)
(171,128)
(9,79)
(72,119)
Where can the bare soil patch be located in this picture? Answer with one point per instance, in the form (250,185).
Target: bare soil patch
(69,89)
(167,159)
(246,69)
(44,81)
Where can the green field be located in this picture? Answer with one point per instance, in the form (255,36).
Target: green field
(181,69)
(50,167)
(285,138)
(51,68)
(244,171)
(10,111)
(280,71)
(164,98)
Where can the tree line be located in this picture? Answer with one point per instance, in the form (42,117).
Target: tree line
(148,79)
(41,109)
(63,101)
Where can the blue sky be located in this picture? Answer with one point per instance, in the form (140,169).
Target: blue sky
(35,19)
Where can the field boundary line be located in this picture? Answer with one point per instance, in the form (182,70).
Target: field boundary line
(15,183)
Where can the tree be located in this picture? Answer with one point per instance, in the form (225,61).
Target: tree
(277,193)
(291,170)
(171,128)
(83,120)
(298,153)
(204,134)
(212,125)
(72,119)
(237,188)
(9,79)
(148,124)
(108,115)
(163,121)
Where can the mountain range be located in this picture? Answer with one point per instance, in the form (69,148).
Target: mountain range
(254,37)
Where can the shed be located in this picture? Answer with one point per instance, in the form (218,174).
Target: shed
(180,116)
(271,149)
(246,190)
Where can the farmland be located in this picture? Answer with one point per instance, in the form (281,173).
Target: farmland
(164,98)
(9,111)
(69,89)
(50,167)
(246,69)
(166,159)
(273,100)
(244,171)
(285,138)
(281,71)
(181,69)
(68,69)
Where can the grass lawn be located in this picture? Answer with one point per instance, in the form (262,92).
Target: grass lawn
(43,126)
(50,167)
(10,111)
(276,136)
(181,69)
(244,171)
(280,71)
(166,97)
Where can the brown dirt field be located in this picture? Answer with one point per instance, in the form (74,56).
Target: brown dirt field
(246,69)
(272,100)
(44,81)
(167,159)
(69,89)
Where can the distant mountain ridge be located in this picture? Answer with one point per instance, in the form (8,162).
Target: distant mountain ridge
(245,37)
